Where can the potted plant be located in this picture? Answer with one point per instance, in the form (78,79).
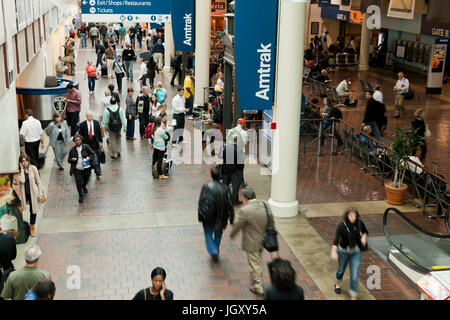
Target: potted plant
(404,143)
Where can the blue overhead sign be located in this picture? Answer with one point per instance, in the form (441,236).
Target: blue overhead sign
(255,53)
(125,11)
(333,12)
(183,23)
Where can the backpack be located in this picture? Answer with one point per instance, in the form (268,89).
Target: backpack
(161,95)
(148,130)
(114,124)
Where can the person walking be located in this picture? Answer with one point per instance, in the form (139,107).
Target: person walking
(161,93)
(122,31)
(158,52)
(142,73)
(158,290)
(21,281)
(110,58)
(400,89)
(214,210)
(253,223)
(91,133)
(189,92)
(59,134)
(151,72)
(130,113)
(242,143)
(233,164)
(420,125)
(99,50)
(94,34)
(80,157)
(119,70)
(32,135)
(374,115)
(159,147)
(350,239)
(179,111)
(129,57)
(73,108)
(143,110)
(114,121)
(282,276)
(91,75)
(176,65)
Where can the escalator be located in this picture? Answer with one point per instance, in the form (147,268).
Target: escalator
(417,247)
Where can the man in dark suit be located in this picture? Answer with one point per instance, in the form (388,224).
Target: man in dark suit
(92,136)
(233,163)
(8,253)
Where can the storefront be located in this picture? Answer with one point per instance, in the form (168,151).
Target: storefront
(218,9)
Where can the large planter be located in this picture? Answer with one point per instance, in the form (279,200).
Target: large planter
(395,196)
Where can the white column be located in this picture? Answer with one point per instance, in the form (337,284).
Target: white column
(168,45)
(285,141)
(307,25)
(202,48)
(364,45)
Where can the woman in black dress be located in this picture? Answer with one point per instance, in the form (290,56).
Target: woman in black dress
(158,290)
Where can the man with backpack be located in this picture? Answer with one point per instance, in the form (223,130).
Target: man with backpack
(114,121)
(214,211)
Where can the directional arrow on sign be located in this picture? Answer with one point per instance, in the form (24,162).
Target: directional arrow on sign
(84,2)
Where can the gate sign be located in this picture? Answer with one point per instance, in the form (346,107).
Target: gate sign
(183,23)
(255,53)
(125,11)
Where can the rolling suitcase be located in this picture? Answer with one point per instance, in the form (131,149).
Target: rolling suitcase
(104,71)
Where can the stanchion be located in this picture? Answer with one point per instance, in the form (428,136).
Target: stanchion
(332,153)
(318,153)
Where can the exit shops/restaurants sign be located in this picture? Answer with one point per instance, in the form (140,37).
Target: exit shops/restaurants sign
(219,6)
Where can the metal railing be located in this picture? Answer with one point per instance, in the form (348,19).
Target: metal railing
(418,228)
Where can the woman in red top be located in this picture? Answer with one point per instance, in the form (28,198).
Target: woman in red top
(91,74)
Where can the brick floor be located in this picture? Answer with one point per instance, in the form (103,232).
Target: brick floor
(116,264)
(393,285)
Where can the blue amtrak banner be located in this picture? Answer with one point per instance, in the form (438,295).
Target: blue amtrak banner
(183,24)
(255,52)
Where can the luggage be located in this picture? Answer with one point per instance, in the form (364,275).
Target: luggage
(104,71)
(101,156)
(41,160)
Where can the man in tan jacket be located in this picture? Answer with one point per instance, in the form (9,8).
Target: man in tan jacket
(253,222)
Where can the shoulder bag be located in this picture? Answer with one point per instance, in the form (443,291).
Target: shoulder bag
(270,235)
(363,248)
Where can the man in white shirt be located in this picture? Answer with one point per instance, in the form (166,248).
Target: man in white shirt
(377,94)
(94,33)
(32,135)
(179,111)
(343,91)
(401,87)
(142,72)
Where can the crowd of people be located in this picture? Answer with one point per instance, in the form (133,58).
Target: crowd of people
(217,202)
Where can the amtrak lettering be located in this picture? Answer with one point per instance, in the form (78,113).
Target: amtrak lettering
(264,71)
(188,29)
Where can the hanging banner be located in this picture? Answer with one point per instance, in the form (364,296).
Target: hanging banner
(183,23)
(125,11)
(255,53)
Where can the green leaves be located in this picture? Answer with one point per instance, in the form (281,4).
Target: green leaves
(404,144)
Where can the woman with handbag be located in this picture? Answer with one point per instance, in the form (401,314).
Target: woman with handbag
(349,241)
(59,134)
(119,70)
(422,131)
(31,189)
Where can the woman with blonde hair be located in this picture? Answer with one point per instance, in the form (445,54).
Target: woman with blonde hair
(161,93)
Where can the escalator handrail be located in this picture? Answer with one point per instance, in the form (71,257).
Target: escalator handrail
(415,226)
